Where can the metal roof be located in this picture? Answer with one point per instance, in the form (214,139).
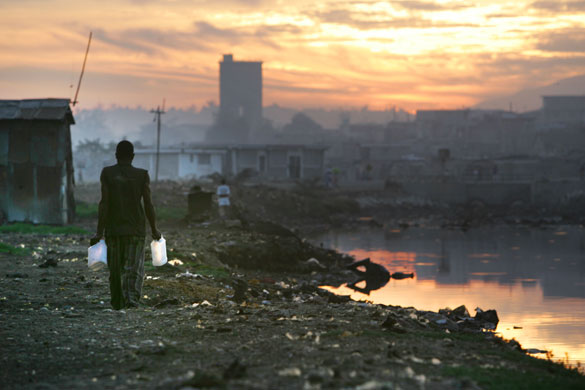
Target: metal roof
(31,109)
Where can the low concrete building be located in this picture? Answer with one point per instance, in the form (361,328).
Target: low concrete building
(270,161)
(181,163)
(36,168)
(278,161)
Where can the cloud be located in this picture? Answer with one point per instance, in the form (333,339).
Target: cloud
(121,43)
(203,37)
(431,5)
(568,41)
(371,21)
(516,65)
(264,34)
(559,6)
(203,3)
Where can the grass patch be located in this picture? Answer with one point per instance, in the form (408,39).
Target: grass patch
(170,213)
(214,272)
(5,248)
(332,333)
(86,210)
(25,228)
(541,375)
(90,210)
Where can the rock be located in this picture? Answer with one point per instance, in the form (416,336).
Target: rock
(487,317)
(460,311)
(17,275)
(240,289)
(235,370)
(320,375)
(203,379)
(314,264)
(50,262)
(375,385)
(167,302)
(232,223)
(534,350)
(150,347)
(391,324)
(291,371)
(188,275)
(392,352)
(514,344)
(402,275)
(338,298)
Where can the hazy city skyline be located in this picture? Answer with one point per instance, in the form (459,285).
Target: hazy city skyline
(410,54)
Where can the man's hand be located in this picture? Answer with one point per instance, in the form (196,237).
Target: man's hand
(95,239)
(156,234)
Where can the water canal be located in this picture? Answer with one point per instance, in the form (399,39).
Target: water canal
(534,278)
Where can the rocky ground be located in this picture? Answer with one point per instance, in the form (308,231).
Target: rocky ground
(239,309)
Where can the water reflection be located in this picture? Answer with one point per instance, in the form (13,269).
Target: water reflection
(535,279)
(375,276)
(372,276)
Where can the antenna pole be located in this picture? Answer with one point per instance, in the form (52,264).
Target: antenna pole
(157,113)
(82,69)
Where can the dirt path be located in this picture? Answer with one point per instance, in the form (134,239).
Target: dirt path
(58,332)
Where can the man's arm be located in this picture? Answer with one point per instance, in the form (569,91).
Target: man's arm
(102,212)
(149,208)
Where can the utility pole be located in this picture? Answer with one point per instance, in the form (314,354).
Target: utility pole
(157,113)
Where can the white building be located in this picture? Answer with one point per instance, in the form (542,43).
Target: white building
(271,161)
(183,163)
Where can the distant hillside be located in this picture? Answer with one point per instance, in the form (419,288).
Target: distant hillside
(530,99)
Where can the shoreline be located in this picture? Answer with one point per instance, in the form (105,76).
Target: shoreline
(195,331)
(241,309)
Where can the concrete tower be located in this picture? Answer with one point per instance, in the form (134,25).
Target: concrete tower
(240,91)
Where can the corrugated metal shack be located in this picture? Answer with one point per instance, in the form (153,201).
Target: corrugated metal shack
(36,168)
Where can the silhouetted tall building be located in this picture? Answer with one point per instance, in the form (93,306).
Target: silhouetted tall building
(240,91)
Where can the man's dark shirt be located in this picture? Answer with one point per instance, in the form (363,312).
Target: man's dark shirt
(123,188)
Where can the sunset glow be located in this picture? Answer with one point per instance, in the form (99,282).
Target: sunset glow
(412,54)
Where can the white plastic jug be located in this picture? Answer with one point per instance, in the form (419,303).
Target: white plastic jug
(159,252)
(97,256)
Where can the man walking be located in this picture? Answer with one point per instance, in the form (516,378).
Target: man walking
(121,217)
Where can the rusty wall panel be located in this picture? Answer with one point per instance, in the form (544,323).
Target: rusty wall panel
(19,147)
(63,148)
(49,180)
(22,188)
(4,145)
(3,189)
(44,148)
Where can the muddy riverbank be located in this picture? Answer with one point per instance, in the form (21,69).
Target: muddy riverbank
(240,308)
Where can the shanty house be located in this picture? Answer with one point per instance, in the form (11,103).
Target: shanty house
(36,170)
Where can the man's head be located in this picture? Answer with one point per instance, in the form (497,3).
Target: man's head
(125,151)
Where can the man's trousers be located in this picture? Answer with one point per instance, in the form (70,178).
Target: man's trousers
(126,265)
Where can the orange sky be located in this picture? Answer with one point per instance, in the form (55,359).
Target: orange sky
(413,54)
